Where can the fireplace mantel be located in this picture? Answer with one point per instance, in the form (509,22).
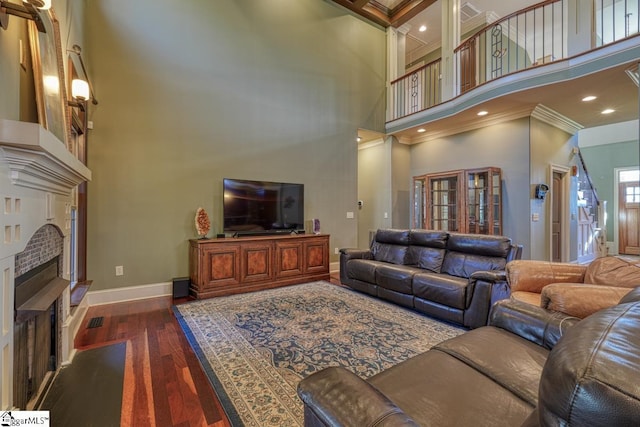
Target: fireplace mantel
(38,160)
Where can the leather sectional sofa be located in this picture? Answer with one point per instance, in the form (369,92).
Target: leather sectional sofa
(451,276)
(529,367)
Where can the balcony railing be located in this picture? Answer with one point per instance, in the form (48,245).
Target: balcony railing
(615,20)
(533,36)
(528,38)
(416,91)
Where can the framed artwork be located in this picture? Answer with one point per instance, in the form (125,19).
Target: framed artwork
(48,75)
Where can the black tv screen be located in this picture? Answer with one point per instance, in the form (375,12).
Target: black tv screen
(254,207)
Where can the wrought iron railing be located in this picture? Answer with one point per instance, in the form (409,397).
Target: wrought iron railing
(528,38)
(416,91)
(615,20)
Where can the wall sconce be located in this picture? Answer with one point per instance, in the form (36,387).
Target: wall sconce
(27,10)
(81,89)
(80,93)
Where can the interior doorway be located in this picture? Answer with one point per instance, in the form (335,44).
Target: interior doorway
(559,214)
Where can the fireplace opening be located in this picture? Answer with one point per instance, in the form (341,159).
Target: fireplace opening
(36,330)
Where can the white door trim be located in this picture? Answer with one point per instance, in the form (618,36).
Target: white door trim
(564,212)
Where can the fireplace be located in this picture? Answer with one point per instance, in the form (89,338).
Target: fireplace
(38,194)
(37,327)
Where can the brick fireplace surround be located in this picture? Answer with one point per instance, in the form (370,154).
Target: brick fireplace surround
(38,192)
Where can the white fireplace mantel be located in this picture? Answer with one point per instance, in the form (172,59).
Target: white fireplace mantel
(38,160)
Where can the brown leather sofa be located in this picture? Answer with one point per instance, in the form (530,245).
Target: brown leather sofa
(577,290)
(530,367)
(450,276)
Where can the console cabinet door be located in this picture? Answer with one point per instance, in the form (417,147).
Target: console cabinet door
(316,256)
(289,258)
(256,262)
(221,266)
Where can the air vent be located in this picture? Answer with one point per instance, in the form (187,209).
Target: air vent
(95,322)
(468,11)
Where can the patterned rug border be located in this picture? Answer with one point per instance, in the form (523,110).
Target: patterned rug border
(225,399)
(218,389)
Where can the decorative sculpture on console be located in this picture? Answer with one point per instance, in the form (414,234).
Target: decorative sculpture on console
(202,223)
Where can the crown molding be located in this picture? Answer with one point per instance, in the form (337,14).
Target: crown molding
(555,119)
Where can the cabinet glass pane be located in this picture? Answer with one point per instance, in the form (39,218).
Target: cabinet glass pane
(497,202)
(419,204)
(443,210)
(477,202)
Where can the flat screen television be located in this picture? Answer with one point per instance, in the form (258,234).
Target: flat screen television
(261,207)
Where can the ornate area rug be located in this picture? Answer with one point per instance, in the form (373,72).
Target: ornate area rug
(256,347)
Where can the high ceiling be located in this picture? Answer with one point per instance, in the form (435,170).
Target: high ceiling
(387,12)
(613,87)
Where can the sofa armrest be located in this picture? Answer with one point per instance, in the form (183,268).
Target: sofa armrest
(337,397)
(484,289)
(353,253)
(532,276)
(347,254)
(492,276)
(579,299)
(535,324)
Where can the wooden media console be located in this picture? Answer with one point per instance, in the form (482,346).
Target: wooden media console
(243,264)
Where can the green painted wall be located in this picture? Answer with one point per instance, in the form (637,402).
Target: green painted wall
(192,92)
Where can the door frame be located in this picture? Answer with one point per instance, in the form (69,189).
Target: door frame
(565,250)
(615,250)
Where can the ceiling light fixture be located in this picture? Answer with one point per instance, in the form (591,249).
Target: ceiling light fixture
(608,111)
(358,139)
(421,130)
(483,113)
(26,10)
(422,28)
(589,98)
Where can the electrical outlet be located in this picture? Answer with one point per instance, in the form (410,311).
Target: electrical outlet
(119,270)
(337,251)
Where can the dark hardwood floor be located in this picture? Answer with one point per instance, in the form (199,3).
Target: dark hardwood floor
(164,384)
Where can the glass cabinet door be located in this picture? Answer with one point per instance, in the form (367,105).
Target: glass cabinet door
(443,202)
(467,201)
(484,201)
(419,203)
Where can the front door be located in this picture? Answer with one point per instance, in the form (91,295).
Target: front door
(629,217)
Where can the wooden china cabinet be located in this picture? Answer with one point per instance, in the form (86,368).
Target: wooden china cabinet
(466,201)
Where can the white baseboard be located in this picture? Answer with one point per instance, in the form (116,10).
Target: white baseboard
(131,293)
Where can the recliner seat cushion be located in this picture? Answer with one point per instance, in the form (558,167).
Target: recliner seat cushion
(396,278)
(363,269)
(441,288)
(451,390)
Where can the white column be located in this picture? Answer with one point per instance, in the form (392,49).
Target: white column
(450,40)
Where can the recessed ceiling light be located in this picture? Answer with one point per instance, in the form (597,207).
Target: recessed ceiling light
(589,98)
(608,111)
(422,130)
(422,28)
(483,113)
